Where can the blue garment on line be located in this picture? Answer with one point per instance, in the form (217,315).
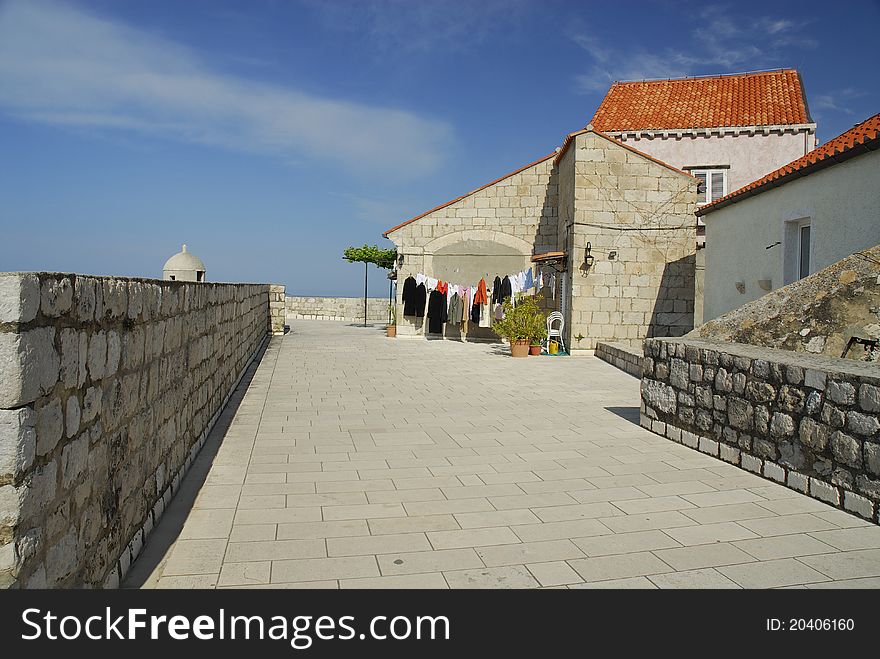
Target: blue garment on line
(530,282)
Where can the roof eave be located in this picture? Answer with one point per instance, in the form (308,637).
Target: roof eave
(865,147)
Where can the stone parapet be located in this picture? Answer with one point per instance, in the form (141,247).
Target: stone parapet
(621,355)
(811,423)
(108,388)
(349,309)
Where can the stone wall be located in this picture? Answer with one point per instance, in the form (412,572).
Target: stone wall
(277,309)
(637,216)
(349,309)
(108,388)
(621,355)
(808,422)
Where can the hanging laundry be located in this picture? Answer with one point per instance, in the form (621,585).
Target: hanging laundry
(530,281)
(485,315)
(409,297)
(467,294)
(437,313)
(443,286)
(480,296)
(431,283)
(421,297)
(496,290)
(420,278)
(455,309)
(506,289)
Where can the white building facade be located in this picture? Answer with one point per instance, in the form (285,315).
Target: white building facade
(796,221)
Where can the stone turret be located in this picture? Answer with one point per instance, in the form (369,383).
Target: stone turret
(184,266)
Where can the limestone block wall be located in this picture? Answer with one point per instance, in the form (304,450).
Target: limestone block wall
(517,213)
(277,309)
(108,388)
(638,217)
(621,355)
(809,422)
(349,309)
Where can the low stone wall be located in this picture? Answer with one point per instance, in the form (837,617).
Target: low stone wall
(349,309)
(108,388)
(622,355)
(806,421)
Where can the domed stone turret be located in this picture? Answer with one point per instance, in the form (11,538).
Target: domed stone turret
(184,266)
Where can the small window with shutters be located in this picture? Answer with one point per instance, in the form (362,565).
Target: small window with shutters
(712,184)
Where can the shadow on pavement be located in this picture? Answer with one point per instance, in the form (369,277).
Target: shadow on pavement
(168,529)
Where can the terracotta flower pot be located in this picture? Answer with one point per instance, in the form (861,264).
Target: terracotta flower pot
(519,348)
(391,331)
(534,350)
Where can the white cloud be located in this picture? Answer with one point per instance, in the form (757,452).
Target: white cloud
(394,26)
(63,66)
(721,42)
(838,100)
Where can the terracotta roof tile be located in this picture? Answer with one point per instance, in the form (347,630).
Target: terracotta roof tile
(858,139)
(769,98)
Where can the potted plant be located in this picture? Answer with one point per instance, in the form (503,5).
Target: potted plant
(519,325)
(539,332)
(391,328)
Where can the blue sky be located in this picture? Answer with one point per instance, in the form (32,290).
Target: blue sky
(269,135)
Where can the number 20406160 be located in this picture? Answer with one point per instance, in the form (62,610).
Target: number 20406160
(811,624)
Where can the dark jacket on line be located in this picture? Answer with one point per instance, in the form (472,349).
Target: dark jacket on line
(437,312)
(409,297)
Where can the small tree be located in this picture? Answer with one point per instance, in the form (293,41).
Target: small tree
(382,258)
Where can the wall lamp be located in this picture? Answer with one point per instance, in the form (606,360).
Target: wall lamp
(588,258)
(400,260)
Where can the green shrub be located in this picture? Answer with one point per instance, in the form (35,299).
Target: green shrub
(525,321)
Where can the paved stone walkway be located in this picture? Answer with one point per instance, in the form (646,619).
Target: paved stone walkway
(356,461)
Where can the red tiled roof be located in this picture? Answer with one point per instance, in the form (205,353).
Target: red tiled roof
(859,139)
(468,194)
(769,98)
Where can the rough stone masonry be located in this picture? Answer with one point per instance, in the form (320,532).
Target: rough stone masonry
(809,422)
(108,387)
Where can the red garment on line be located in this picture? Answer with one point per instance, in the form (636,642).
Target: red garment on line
(443,286)
(480,297)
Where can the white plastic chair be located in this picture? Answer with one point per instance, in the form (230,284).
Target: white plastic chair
(557,333)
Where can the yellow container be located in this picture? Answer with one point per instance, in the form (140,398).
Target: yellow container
(553,347)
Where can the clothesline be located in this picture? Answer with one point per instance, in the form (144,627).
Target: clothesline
(458,303)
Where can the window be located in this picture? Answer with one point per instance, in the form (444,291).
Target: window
(797,242)
(713,184)
(804,251)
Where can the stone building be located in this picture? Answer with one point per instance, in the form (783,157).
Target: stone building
(183,266)
(794,221)
(626,187)
(636,212)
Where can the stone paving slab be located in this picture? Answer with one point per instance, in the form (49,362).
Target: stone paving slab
(350,460)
